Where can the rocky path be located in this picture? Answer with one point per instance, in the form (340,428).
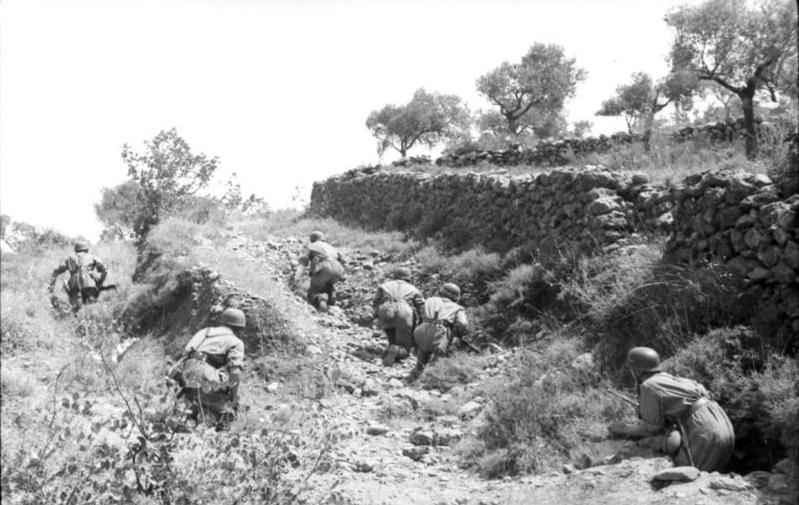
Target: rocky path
(398,443)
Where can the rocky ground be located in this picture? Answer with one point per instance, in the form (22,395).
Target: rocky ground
(397,443)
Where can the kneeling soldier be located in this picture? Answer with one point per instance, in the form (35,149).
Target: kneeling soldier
(211,372)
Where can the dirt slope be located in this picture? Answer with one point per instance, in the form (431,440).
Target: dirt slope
(397,443)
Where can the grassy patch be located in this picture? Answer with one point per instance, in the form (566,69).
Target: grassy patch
(540,412)
(448,372)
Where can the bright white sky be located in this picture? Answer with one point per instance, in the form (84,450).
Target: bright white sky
(279,90)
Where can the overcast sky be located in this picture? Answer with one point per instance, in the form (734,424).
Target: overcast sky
(279,90)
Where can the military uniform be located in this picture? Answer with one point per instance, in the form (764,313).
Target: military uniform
(86,275)
(325,268)
(443,320)
(707,433)
(213,355)
(398,306)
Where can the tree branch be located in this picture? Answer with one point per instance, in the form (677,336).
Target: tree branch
(722,82)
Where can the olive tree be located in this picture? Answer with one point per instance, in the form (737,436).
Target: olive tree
(531,93)
(165,172)
(427,119)
(640,100)
(741,47)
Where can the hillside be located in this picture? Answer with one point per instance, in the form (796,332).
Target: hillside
(326,420)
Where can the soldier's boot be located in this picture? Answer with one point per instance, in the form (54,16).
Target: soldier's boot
(223,423)
(391,355)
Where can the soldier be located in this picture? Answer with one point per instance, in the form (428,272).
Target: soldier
(443,321)
(678,414)
(86,276)
(211,370)
(325,268)
(398,306)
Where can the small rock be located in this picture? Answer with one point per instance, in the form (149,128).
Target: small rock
(727,484)
(395,383)
(422,437)
(363,466)
(272,387)
(445,436)
(469,410)
(415,453)
(314,349)
(678,473)
(369,388)
(568,469)
(377,429)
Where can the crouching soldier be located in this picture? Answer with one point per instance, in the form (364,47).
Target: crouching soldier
(398,306)
(443,321)
(325,268)
(678,416)
(87,274)
(211,371)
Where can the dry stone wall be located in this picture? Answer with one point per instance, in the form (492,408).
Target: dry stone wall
(738,220)
(562,152)
(588,208)
(741,221)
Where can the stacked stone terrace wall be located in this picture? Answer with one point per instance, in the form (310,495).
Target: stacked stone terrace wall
(562,152)
(588,208)
(740,220)
(734,219)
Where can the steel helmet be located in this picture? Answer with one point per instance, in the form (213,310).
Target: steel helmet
(451,291)
(317,235)
(643,359)
(403,273)
(81,245)
(234,317)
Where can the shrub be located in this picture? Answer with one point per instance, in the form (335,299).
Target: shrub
(540,413)
(472,270)
(448,372)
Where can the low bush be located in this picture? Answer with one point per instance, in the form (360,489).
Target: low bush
(471,270)
(544,409)
(448,372)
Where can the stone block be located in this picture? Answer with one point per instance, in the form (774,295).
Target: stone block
(678,473)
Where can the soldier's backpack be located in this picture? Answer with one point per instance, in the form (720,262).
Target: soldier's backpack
(430,333)
(80,273)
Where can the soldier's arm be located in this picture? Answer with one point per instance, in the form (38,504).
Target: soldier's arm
(58,271)
(100,266)
(378,299)
(417,300)
(235,364)
(461,323)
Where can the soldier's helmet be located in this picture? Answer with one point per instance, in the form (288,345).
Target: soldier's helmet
(451,291)
(81,246)
(402,273)
(234,317)
(643,359)
(317,235)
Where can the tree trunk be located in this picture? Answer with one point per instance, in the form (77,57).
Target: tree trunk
(747,104)
(648,121)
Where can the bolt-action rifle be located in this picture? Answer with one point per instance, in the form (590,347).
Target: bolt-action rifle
(626,399)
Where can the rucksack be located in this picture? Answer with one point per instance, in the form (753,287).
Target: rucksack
(430,333)
(80,274)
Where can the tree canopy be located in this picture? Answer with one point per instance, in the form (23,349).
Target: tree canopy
(642,98)
(740,47)
(165,171)
(537,87)
(427,119)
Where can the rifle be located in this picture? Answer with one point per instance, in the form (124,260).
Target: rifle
(626,399)
(107,288)
(469,345)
